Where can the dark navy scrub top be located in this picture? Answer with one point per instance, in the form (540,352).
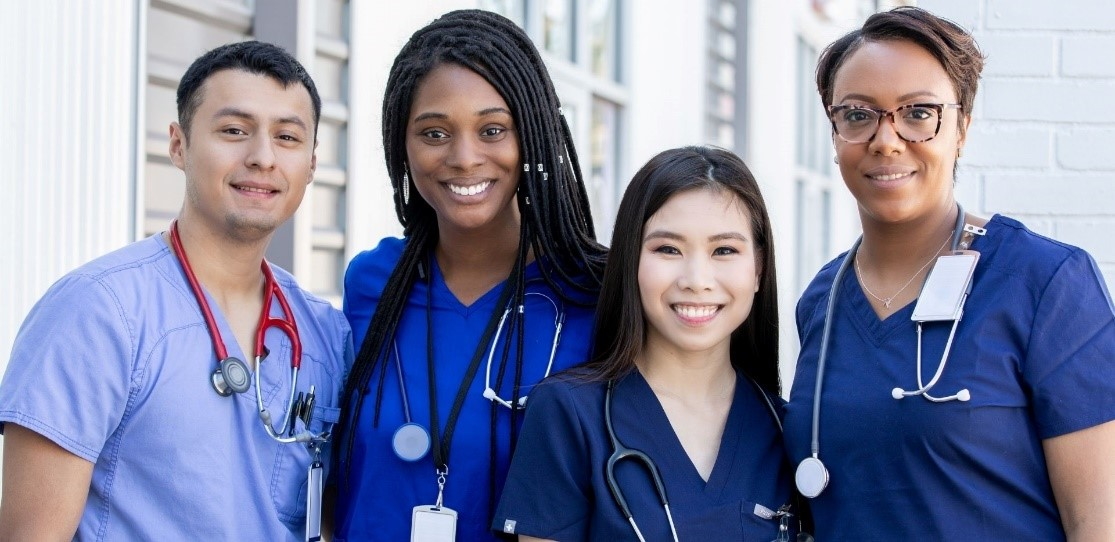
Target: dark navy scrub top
(556,488)
(1036,349)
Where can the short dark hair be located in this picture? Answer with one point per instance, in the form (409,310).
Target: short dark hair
(255,57)
(620,321)
(950,44)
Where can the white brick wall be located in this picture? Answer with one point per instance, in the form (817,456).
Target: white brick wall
(1042,145)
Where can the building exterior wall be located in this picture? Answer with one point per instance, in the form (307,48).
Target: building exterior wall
(1044,124)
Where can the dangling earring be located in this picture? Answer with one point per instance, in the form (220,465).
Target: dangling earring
(836,159)
(406,187)
(959,153)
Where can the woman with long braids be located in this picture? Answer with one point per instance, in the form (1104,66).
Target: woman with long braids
(491,288)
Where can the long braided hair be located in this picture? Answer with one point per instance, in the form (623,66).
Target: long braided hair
(552,199)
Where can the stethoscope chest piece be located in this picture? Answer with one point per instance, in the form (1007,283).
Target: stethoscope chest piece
(231,376)
(811,477)
(411,442)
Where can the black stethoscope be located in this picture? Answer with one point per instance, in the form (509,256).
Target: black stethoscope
(621,452)
(411,441)
(232,374)
(812,476)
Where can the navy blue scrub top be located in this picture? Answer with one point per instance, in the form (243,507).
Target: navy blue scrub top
(556,487)
(1036,349)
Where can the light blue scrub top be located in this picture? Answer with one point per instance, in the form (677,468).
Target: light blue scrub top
(113,365)
(1036,349)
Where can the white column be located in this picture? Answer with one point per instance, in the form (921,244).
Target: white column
(68,166)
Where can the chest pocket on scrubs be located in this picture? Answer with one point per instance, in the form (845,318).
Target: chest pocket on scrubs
(713,523)
(292,461)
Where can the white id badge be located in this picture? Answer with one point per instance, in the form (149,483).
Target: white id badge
(942,297)
(433,524)
(313,502)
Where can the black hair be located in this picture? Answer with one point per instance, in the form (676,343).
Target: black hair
(552,200)
(620,321)
(255,57)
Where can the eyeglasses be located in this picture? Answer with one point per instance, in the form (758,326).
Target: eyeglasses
(914,123)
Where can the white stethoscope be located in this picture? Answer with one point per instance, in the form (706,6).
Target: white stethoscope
(812,476)
(232,373)
(411,440)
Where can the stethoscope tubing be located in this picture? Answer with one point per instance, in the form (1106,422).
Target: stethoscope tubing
(822,356)
(559,321)
(287,325)
(621,452)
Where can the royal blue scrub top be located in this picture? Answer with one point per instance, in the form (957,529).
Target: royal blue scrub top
(1036,350)
(376,501)
(556,488)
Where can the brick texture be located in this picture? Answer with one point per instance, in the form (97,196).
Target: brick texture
(1042,145)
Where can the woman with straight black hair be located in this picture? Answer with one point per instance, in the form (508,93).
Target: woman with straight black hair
(685,370)
(490,289)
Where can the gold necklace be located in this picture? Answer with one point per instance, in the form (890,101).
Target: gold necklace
(886,301)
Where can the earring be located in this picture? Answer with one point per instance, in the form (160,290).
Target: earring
(406,188)
(959,153)
(835,160)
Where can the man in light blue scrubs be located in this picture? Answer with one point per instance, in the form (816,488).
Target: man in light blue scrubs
(115,427)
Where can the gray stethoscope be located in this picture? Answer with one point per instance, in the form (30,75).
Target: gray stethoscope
(231,376)
(812,476)
(621,452)
(411,440)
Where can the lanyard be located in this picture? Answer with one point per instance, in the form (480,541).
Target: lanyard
(442,443)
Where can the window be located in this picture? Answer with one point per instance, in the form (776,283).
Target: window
(724,63)
(814,169)
(516,10)
(557,28)
(603,38)
(582,44)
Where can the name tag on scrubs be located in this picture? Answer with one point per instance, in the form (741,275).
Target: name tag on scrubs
(950,281)
(313,502)
(433,524)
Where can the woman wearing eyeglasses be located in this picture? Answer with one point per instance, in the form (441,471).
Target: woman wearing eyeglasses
(957,375)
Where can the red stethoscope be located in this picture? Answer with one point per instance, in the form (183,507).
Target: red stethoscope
(233,375)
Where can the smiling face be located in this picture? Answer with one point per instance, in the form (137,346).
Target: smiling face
(894,180)
(462,150)
(249,155)
(697,272)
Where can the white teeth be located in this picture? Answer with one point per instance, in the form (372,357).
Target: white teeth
(254,189)
(469,190)
(691,311)
(892,177)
